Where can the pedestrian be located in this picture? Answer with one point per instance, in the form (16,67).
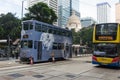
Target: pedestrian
(31,60)
(76,52)
(53,56)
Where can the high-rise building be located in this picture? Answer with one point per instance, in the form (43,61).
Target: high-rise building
(74,4)
(117,12)
(88,21)
(64,12)
(65,9)
(62,8)
(103,12)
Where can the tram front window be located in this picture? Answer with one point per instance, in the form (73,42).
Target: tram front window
(27,26)
(108,50)
(26,44)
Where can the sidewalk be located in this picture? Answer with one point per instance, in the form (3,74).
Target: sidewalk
(15,62)
(73,70)
(9,63)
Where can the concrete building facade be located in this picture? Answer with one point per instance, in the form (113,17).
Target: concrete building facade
(74,22)
(117,12)
(103,12)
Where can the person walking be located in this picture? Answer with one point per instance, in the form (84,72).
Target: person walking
(76,52)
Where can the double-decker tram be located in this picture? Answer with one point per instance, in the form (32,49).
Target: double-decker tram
(106,39)
(39,40)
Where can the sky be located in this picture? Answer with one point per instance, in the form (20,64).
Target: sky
(87,7)
(13,6)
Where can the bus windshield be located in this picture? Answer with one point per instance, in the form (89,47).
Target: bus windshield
(27,25)
(106,29)
(108,50)
(26,44)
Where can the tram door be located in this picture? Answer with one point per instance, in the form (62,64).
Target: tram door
(67,51)
(39,50)
(70,48)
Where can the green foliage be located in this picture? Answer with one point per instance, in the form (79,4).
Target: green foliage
(76,37)
(84,36)
(1,32)
(41,12)
(8,24)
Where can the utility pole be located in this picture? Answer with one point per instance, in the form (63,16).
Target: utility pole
(22,10)
(8,48)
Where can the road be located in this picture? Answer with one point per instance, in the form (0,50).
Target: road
(79,68)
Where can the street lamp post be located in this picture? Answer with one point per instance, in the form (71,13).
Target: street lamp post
(22,9)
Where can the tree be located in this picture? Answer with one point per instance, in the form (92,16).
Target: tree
(41,12)
(86,36)
(76,37)
(9,25)
(1,32)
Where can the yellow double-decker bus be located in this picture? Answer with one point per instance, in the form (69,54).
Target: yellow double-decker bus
(106,40)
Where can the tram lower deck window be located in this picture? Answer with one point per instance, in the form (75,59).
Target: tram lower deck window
(55,46)
(26,44)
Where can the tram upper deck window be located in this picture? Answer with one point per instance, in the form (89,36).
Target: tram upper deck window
(106,29)
(27,26)
(50,30)
(30,26)
(55,31)
(38,27)
(44,28)
(69,34)
(26,44)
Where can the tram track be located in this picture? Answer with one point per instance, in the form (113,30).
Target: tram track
(38,66)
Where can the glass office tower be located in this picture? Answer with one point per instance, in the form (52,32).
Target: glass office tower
(63,12)
(62,8)
(65,9)
(75,7)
